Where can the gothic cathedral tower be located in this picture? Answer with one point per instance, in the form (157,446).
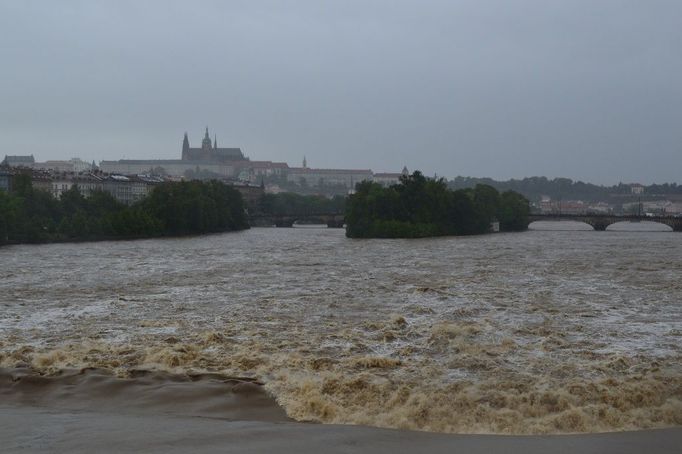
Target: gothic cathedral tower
(206,143)
(185,148)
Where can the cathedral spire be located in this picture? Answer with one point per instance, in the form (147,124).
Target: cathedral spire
(185,146)
(215,142)
(206,143)
(305,162)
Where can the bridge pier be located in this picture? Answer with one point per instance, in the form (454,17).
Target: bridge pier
(599,225)
(676,224)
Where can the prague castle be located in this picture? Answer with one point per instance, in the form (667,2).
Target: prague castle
(230,163)
(210,152)
(224,162)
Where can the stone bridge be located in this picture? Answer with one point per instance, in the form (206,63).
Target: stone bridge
(601,221)
(598,221)
(333,220)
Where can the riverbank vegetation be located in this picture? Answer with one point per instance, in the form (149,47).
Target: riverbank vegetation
(423,207)
(34,216)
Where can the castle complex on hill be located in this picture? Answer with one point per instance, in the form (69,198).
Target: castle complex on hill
(209,161)
(230,163)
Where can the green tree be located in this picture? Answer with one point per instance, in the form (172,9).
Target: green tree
(419,207)
(514,212)
(487,202)
(28,215)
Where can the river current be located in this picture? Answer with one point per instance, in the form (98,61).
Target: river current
(534,332)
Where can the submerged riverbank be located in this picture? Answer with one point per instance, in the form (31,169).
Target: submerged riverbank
(92,410)
(40,429)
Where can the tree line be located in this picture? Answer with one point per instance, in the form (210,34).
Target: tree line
(563,188)
(28,215)
(422,207)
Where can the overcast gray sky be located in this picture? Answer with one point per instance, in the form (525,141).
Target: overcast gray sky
(589,90)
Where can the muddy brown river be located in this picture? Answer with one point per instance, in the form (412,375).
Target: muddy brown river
(550,331)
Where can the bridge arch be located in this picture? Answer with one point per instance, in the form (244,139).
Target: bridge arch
(569,224)
(601,222)
(648,226)
(332,220)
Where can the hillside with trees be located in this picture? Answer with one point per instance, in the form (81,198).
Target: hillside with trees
(187,208)
(562,188)
(423,207)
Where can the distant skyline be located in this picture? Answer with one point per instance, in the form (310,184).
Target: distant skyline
(586,90)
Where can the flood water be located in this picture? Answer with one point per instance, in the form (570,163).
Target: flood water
(535,332)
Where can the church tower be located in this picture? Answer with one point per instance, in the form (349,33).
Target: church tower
(206,143)
(305,163)
(185,148)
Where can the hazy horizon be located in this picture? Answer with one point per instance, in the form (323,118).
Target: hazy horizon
(585,90)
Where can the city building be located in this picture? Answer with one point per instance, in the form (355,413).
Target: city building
(125,189)
(61,182)
(18,161)
(599,208)
(72,165)
(172,167)
(673,208)
(129,189)
(42,180)
(546,205)
(328,177)
(5,179)
(255,171)
(389,179)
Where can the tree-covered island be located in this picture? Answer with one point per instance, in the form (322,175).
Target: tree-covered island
(172,209)
(422,207)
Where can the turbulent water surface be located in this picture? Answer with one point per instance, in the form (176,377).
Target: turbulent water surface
(536,332)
